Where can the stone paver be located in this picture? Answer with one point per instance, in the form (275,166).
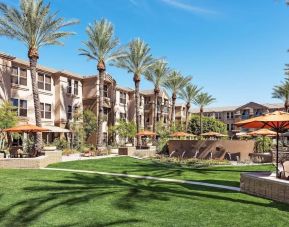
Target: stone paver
(149,178)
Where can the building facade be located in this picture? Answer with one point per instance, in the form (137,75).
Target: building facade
(62,93)
(232,114)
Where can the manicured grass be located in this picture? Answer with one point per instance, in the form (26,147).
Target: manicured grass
(229,175)
(55,198)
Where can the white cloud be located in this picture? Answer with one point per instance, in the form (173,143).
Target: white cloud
(184,6)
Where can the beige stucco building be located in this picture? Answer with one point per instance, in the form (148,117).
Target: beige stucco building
(232,114)
(61,93)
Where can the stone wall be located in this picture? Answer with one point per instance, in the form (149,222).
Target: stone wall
(266,186)
(31,163)
(132,151)
(239,149)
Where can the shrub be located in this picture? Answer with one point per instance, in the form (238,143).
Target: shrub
(209,124)
(61,144)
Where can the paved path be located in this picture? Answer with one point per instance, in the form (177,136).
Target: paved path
(76,157)
(149,178)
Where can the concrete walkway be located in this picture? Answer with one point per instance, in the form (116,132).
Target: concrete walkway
(76,157)
(149,178)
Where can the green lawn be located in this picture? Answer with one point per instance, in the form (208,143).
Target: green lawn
(229,175)
(55,198)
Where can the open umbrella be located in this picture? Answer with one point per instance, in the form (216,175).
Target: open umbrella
(146,133)
(277,121)
(263,132)
(26,128)
(181,134)
(213,134)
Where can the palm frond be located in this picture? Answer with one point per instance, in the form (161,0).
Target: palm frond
(33,24)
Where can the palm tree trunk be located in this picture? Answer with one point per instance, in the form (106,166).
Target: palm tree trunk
(101,70)
(187,116)
(33,58)
(155,109)
(173,113)
(201,123)
(286,105)
(137,100)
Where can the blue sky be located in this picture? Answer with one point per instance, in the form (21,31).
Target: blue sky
(236,49)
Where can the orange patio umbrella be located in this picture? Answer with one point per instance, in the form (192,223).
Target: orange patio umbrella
(146,133)
(26,128)
(181,134)
(262,132)
(213,134)
(277,121)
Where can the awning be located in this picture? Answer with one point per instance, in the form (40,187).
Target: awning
(55,129)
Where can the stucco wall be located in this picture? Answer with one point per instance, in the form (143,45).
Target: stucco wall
(234,147)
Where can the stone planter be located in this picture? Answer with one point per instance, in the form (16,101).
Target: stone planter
(128,144)
(50,148)
(114,150)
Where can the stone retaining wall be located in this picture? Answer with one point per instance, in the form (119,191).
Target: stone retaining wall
(132,151)
(266,186)
(31,163)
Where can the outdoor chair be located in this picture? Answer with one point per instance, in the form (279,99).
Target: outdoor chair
(285,170)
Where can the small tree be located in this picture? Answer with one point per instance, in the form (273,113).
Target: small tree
(208,123)
(8,119)
(89,123)
(76,127)
(126,130)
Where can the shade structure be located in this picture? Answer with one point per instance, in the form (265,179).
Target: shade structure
(262,132)
(213,134)
(277,121)
(181,134)
(146,133)
(26,128)
(52,128)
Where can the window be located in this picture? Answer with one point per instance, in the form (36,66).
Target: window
(42,109)
(47,83)
(230,115)
(228,127)
(105,112)
(122,98)
(105,90)
(40,81)
(69,86)
(76,87)
(122,116)
(45,110)
(19,76)
(48,111)
(69,112)
(21,106)
(23,77)
(232,127)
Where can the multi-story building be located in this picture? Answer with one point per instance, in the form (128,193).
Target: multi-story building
(62,93)
(232,114)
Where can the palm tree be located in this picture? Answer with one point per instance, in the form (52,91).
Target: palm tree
(282,92)
(189,94)
(137,59)
(174,83)
(101,47)
(157,74)
(202,100)
(35,25)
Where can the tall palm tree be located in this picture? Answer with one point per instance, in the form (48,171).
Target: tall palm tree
(35,25)
(101,47)
(157,74)
(174,83)
(202,100)
(189,94)
(282,92)
(137,59)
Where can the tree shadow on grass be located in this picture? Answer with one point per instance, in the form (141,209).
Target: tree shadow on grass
(123,194)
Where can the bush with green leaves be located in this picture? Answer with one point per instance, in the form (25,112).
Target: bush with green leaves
(125,129)
(209,124)
(89,123)
(263,144)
